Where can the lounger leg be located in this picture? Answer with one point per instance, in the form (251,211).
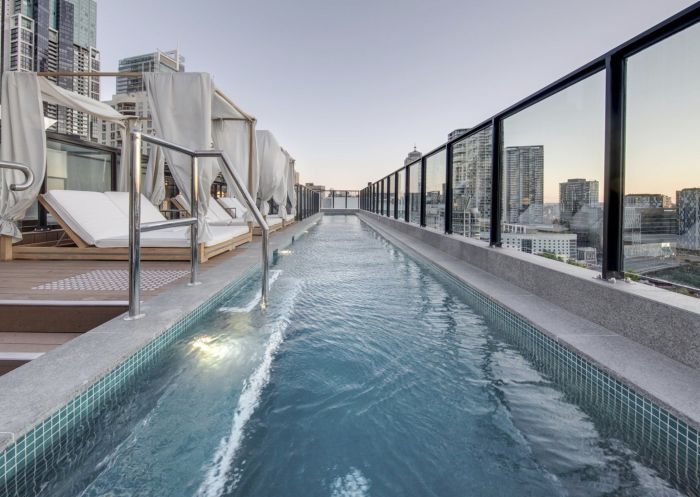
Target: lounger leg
(5,248)
(203,253)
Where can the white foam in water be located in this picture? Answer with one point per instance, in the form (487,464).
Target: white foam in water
(256,300)
(216,478)
(354,484)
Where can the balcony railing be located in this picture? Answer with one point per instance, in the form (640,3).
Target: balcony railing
(599,169)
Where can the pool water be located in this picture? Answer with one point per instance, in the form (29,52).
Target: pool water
(368,375)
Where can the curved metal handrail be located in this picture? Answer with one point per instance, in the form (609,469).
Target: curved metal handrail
(29,175)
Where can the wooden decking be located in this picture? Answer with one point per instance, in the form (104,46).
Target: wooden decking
(44,304)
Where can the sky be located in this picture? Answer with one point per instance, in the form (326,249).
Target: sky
(348,87)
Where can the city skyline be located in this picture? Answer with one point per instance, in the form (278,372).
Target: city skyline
(359,82)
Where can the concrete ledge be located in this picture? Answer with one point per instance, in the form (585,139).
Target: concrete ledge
(664,321)
(663,380)
(335,212)
(33,392)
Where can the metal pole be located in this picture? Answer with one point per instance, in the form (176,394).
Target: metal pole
(613,206)
(135,228)
(496,182)
(449,188)
(194,229)
(423,191)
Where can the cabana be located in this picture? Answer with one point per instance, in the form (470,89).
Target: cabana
(273,178)
(96,223)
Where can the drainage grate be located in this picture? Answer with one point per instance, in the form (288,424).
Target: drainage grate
(112,280)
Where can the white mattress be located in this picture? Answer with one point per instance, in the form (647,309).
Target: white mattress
(216,215)
(101,219)
(149,212)
(273,220)
(91,215)
(233,203)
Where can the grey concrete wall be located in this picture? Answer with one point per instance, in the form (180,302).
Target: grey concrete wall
(664,321)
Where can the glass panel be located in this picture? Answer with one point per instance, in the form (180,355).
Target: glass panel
(389,209)
(435,191)
(382,197)
(76,167)
(353,200)
(553,165)
(471,185)
(662,161)
(401,193)
(414,192)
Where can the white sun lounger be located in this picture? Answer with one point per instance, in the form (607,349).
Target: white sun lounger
(234,206)
(97,223)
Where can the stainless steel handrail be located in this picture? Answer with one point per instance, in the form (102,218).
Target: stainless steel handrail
(259,218)
(135,226)
(29,175)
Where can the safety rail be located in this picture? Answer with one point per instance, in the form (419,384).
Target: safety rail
(136,228)
(29,175)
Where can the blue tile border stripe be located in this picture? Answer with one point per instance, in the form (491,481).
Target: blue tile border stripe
(667,442)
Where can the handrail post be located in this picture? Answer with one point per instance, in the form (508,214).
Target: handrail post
(266,268)
(194,229)
(135,228)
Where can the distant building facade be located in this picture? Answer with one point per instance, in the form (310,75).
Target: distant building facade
(524,184)
(648,201)
(412,156)
(55,36)
(131,98)
(533,241)
(688,203)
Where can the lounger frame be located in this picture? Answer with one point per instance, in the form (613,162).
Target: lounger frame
(84,251)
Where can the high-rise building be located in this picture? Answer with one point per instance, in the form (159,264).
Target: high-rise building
(688,203)
(158,61)
(412,156)
(524,184)
(131,98)
(50,36)
(574,195)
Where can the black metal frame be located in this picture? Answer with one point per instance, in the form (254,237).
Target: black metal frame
(613,64)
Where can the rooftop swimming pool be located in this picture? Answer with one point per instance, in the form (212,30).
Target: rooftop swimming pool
(368,375)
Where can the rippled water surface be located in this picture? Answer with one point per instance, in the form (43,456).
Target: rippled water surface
(367,376)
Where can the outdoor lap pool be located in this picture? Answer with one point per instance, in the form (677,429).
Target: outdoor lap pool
(368,375)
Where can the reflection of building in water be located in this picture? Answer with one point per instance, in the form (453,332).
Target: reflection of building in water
(574,195)
(688,203)
(539,240)
(524,184)
(650,224)
(471,170)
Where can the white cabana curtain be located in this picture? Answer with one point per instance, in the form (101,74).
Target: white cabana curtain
(233,133)
(291,191)
(154,184)
(180,106)
(23,141)
(273,172)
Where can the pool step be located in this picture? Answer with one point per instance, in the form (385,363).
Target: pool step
(17,348)
(57,316)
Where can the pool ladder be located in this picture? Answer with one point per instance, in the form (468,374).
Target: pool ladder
(136,227)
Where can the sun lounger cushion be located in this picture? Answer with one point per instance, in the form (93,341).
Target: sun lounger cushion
(90,215)
(231,204)
(149,212)
(216,215)
(273,220)
(100,220)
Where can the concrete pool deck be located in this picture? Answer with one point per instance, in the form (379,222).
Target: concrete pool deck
(666,381)
(35,391)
